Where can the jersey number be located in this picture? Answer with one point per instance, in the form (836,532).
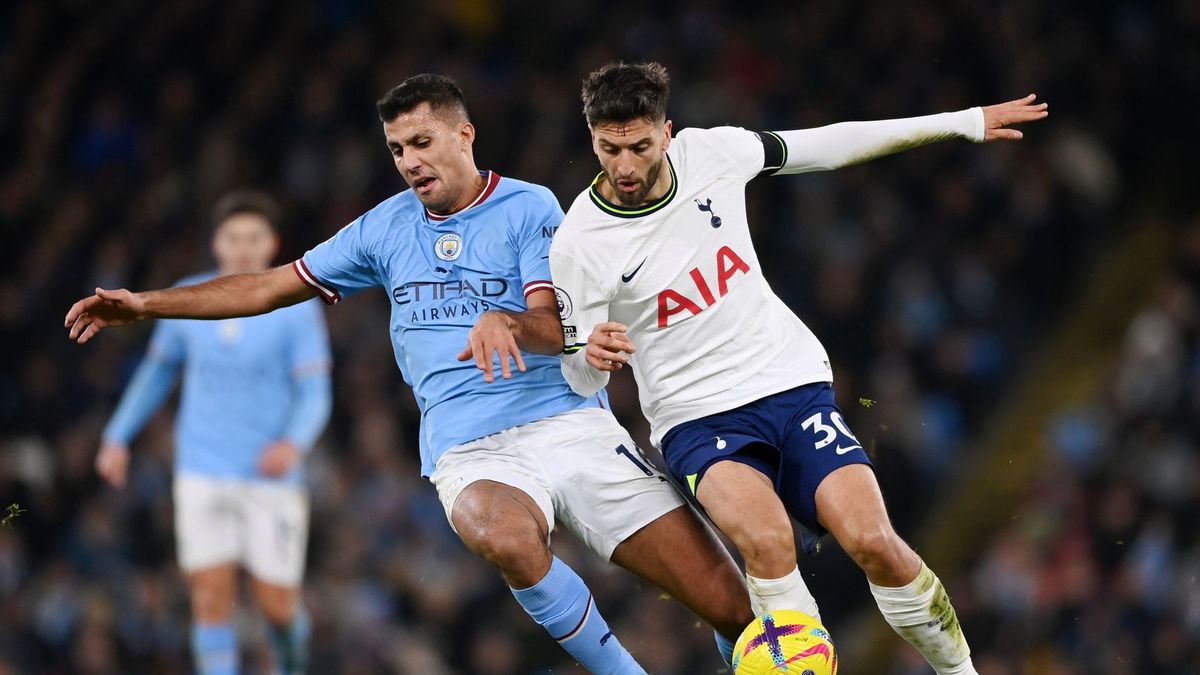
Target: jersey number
(815,424)
(622,450)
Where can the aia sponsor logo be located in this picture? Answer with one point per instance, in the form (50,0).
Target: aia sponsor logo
(672,302)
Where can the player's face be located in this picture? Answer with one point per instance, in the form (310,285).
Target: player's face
(432,150)
(632,155)
(243,243)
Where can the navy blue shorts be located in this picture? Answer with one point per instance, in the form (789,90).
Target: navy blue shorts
(796,438)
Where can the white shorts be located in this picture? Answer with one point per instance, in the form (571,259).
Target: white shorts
(580,467)
(262,526)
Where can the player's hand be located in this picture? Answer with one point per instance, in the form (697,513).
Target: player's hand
(278,458)
(106,308)
(997,118)
(112,463)
(608,347)
(493,335)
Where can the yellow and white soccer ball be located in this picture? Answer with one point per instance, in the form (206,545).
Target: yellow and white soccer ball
(785,641)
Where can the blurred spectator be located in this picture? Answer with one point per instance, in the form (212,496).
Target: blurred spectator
(1100,569)
(928,276)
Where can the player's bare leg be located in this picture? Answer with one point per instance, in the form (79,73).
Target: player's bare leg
(683,557)
(742,502)
(505,526)
(910,596)
(213,593)
(289,622)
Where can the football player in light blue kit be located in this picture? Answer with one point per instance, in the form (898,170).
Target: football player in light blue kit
(256,395)
(463,256)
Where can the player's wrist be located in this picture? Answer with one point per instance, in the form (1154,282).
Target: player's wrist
(148,304)
(977,126)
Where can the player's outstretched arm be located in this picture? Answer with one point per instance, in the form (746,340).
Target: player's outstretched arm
(537,330)
(220,298)
(847,143)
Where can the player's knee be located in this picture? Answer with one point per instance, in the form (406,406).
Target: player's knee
(521,559)
(878,549)
(517,549)
(212,602)
(767,546)
(279,608)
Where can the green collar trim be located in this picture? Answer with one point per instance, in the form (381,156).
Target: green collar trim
(622,212)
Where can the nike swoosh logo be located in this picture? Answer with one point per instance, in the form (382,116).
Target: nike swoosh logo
(627,277)
(841,451)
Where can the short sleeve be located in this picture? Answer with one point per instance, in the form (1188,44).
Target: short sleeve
(166,342)
(310,346)
(743,149)
(339,266)
(543,220)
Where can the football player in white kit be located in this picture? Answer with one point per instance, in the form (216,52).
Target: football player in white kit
(655,258)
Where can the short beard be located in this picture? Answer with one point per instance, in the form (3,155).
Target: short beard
(441,205)
(638,198)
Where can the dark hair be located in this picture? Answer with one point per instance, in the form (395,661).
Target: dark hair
(439,91)
(621,92)
(247,201)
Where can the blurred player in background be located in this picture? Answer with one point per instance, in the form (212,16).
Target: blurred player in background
(656,256)
(464,256)
(256,395)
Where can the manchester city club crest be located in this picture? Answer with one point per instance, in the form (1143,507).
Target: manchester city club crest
(448,246)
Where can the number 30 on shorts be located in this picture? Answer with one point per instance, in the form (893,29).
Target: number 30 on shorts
(829,433)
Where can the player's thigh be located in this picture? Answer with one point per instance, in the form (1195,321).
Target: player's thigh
(680,554)
(207,527)
(850,506)
(213,592)
(604,487)
(275,529)
(818,443)
(277,602)
(739,496)
(498,503)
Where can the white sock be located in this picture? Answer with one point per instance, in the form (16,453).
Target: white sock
(790,592)
(920,612)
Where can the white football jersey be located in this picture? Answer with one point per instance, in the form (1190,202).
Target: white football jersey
(683,275)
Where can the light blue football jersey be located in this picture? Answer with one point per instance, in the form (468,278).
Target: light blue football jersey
(441,274)
(239,379)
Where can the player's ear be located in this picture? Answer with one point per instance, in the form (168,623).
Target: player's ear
(467,135)
(666,135)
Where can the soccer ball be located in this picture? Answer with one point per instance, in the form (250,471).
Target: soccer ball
(785,641)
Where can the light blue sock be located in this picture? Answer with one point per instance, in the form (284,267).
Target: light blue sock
(290,643)
(725,646)
(562,604)
(215,649)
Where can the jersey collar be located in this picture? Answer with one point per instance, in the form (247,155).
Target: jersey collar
(636,212)
(493,179)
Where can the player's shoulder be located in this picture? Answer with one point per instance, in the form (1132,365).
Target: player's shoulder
(699,151)
(401,205)
(581,217)
(714,139)
(517,192)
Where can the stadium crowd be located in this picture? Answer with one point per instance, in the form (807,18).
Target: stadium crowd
(1099,569)
(926,275)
